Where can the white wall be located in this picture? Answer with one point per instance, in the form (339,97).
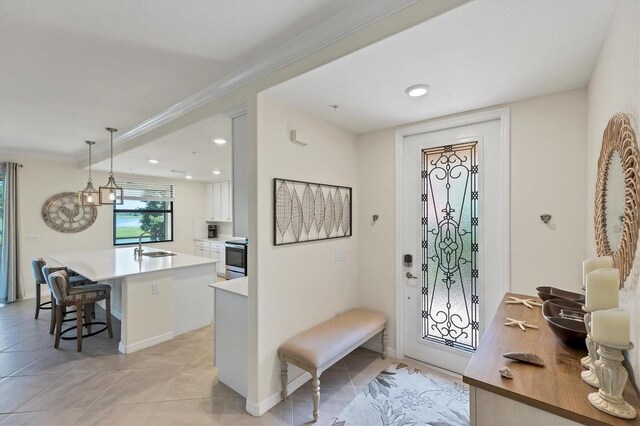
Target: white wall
(41,178)
(615,87)
(548,137)
(299,285)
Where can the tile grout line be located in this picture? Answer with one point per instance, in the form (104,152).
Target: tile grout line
(41,391)
(26,365)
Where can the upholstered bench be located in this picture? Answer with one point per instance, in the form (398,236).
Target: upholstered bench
(319,347)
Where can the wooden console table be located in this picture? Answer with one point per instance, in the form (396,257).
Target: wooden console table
(550,395)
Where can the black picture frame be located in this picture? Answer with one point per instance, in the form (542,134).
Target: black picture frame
(297,213)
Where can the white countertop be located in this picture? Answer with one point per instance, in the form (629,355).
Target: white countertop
(99,265)
(238,286)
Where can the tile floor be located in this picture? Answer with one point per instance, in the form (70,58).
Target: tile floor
(168,384)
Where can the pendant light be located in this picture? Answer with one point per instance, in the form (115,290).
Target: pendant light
(111,193)
(89,195)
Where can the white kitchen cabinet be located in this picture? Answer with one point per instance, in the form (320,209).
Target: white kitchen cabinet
(218,252)
(219,202)
(213,250)
(225,201)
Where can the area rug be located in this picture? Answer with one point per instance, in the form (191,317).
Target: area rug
(403,395)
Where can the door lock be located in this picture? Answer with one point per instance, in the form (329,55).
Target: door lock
(410,276)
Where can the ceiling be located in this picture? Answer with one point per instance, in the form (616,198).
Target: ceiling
(188,151)
(71,68)
(480,54)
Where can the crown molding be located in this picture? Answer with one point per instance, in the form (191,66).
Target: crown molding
(38,154)
(236,112)
(350,20)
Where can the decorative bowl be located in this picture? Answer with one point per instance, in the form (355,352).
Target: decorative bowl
(546,293)
(554,308)
(570,332)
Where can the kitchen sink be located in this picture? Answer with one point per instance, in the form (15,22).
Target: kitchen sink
(158,253)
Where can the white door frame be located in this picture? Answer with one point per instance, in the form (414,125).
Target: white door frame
(501,114)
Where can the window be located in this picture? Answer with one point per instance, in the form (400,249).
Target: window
(450,245)
(148,210)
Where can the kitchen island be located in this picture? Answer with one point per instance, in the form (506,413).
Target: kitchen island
(156,297)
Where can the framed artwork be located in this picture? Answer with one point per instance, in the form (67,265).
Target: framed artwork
(306,211)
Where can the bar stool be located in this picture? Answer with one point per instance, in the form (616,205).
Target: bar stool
(36,265)
(82,297)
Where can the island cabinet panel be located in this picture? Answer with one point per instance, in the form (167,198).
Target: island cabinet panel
(550,395)
(149,321)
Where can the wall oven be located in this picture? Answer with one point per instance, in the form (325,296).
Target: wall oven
(236,259)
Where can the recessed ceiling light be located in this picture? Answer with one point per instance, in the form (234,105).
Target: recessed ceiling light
(152,161)
(417,90)
(219,141)
(216,172)
(188,177)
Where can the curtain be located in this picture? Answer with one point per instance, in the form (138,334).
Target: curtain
(10,286)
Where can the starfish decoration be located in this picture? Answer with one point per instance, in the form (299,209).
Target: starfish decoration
(520,323)
(529,303)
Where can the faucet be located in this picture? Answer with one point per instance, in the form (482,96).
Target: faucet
(137,252)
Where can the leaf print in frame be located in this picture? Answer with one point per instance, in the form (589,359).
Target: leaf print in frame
(319,209)
(308,209)
(283,209)
(328,215)
(337,201)
(302,209)
(296,216)
(346,216)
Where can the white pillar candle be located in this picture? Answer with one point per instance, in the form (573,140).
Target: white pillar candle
(590,265)
(611,327)
(603,286)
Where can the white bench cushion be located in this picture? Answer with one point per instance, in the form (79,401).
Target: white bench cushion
(321,344)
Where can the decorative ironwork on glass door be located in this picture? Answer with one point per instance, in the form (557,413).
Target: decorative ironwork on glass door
(450,245)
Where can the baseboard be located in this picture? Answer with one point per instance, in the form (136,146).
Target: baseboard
(114,313)
(267,404)
(145,343)
(44,294)
(377,347)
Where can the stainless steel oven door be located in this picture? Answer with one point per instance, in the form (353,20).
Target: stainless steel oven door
(236,260)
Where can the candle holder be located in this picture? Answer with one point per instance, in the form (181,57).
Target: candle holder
(590,376)
(613,378)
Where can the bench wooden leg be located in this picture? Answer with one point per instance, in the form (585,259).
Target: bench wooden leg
(284,378)
(315,387)
(384,343)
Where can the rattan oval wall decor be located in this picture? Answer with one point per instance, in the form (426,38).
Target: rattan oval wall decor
(619,137)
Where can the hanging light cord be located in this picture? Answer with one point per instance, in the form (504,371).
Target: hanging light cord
(89,162)
(111,169)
